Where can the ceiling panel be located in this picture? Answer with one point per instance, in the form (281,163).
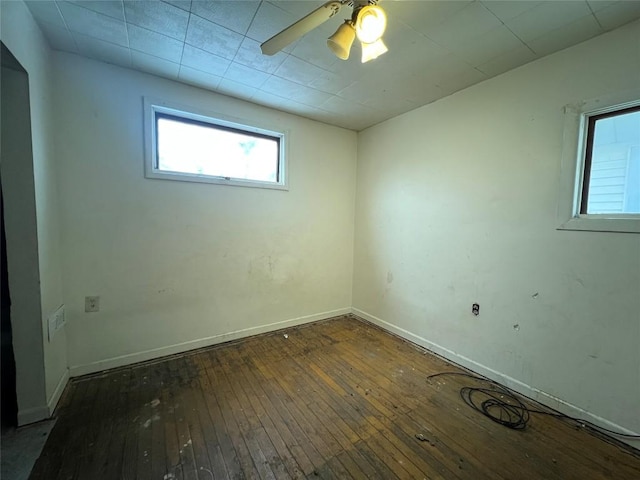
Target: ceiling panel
(546,17)
(213,38)
(158,16)
(236,16)
(151,64)
(435,47)
(154,43)
(113,9)
(92,24)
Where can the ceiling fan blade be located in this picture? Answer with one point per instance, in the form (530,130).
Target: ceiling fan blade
(301,27)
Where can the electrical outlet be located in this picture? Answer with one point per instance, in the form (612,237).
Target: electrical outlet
(92,304)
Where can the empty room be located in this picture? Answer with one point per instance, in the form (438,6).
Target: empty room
(307,239)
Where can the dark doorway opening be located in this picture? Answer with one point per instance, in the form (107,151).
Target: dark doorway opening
(8,396)
(8,400)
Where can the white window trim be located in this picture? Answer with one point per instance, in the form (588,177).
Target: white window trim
(572,167)
(151,106)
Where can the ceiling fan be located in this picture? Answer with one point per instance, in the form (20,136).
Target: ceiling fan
(368,22)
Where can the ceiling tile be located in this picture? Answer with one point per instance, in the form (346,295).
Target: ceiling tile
(268,21)
(101,50)
(235,15)
(247,76)
(487,46)
(93,24)
(114,9)
(207,62)
(299,9)
(313,49)
(600,4)
(182,4)
(45,12)
(198,78)
(403,42)
(301,109)
(213,38)
(364,89)
(470,43)
(422,16)
(461,80)
(417,90)
(340,104)
(469,23)
(445,67)
(330,82)
(507,61)
(392,103)
(154,43)
(618,14)
(298,70)
(236,89)
(294,91)
(249,54)
(508,9)
(158,16)
(568,35)
(154,65)
(269,99)
(58,38)
(546,17)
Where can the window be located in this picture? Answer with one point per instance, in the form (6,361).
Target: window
(196,147)
(611,179)
(600,184)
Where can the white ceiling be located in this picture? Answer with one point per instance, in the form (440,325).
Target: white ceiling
(435,47)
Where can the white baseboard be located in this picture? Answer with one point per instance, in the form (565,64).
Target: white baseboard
(32,415)
(57,393)
(122,360)
(510,382)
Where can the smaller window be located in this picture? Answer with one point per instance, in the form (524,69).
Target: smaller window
(611,181)
(600,165)
(188,146)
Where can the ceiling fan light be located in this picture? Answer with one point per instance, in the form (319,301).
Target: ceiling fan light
(341,41)
(371,51)
(371,23)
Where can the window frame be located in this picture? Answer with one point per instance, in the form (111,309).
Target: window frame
(153,109)
(572,168)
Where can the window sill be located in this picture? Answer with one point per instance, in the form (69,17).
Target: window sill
(189,177)
(598,223)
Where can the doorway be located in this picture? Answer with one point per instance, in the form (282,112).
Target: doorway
(8,399)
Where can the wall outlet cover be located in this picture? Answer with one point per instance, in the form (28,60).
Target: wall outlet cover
(92,304)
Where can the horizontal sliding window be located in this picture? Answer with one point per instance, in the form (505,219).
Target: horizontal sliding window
(189,146)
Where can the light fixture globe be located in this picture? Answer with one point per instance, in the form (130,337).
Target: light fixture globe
(370,24)
(371,51)
(341,41)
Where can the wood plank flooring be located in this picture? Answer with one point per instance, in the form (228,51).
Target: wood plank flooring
(334,399)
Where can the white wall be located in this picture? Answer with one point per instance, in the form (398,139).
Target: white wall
(457,203)
(179,265)
(38,242)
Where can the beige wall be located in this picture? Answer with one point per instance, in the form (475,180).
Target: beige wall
(457,204)
(180,265)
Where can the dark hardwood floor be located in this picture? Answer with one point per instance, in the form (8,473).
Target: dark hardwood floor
(335,399)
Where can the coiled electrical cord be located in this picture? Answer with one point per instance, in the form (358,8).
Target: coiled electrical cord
(501,405)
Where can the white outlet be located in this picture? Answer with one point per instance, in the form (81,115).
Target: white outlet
(56,321)
(92,304)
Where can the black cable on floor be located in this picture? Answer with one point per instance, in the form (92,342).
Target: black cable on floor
(501,405)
